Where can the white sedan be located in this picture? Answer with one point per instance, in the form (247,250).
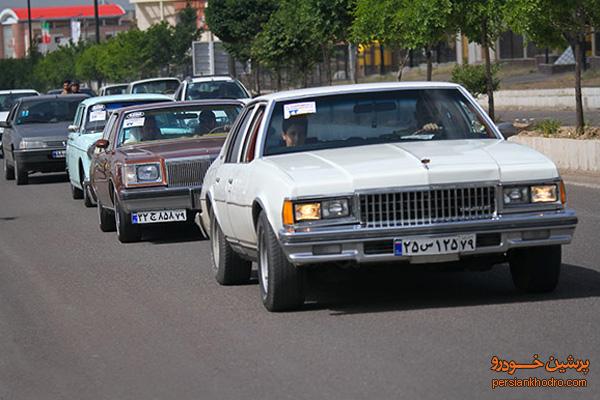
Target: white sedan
(393,172)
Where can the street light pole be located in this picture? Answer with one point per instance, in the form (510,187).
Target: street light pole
(29,23)
(97,18)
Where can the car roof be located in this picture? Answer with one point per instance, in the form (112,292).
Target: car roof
(114,85)
(125,97)
(53,97)
(157,106)
(356,88)
(223,78)
(155,79)
(18,91)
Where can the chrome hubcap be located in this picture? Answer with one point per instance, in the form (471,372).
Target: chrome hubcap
(263,261)
(214,238)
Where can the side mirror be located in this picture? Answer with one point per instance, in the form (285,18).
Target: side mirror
(4,124)
(73,128)
(101,144)
(507,129)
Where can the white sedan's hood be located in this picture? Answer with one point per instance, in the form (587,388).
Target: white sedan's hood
(345,170)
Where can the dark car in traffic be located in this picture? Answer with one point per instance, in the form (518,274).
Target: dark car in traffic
(35,135)
(149,166)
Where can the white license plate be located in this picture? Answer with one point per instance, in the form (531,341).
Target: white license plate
(437,245)
(154,217)
(59,153)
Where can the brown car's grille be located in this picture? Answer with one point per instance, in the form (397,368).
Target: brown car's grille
(187,172)
(424,207)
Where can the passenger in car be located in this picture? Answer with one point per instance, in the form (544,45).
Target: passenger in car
(427,116)
(207,122)
(294,131)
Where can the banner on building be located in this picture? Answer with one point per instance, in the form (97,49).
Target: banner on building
(75,31)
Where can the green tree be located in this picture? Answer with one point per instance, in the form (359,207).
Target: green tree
(554,23)
(186,31)
(87,66)
(237,23)
(123,58)
(57,66)
(482,21)
(289,39)
(157,46)
(410,24)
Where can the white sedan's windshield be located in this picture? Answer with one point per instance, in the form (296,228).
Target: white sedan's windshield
(370,118)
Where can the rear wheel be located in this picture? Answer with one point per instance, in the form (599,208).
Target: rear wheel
(106,219)
(21,175)
(9,172)
(76,193)
(126,231)
(228,267)
(281,283)
(535,269)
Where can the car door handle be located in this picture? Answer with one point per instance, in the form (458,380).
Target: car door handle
(230,180)
(217,179)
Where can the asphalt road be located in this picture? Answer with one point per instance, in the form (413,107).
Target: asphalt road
(84,317)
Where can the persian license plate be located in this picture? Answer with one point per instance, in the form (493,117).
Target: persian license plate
(59,153)
(431,246)
(154,217)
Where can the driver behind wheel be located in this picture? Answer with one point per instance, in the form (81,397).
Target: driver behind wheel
(207,122)
(427,116)
(294,131)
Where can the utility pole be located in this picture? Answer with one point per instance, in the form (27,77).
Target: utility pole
(97,18)
(29,23)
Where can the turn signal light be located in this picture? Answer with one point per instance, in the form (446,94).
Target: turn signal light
(288,212)
(563,193)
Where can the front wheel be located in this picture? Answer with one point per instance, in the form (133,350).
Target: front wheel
(106,219)
(9,172)
(21,174)
(535,269)
(281,283)
(227,266)
(126,231)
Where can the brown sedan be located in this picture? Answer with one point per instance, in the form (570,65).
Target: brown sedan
(149,165)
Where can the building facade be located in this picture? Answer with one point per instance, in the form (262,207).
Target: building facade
(56,26)
(149,12)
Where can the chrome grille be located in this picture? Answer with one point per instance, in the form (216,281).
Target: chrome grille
(424,207)
(187,172)
(56,143)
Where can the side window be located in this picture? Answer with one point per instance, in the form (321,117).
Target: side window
(236,140)
(79,116)
(109,127)
(250,142)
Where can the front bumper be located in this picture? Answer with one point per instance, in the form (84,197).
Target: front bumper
(160,198)
(495,236)
(41,160)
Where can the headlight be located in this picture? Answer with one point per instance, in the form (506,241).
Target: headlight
(516,195)
(315,210)
(544,194)
(531,194)
(141,174)
(32,144)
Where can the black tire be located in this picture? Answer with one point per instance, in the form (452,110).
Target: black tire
(106,219)
(21,175)
(535,269)
(76,193)
(227,266)
(88,201)
(126,231)
(9,172)
(283,287)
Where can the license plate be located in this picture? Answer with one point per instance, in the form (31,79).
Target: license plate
(154,217)
(59,153)
(430,246)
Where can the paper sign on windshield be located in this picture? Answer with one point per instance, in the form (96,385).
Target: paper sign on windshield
(295,109)
(131,122)
(97,116)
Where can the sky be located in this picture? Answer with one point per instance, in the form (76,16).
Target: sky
(49,3)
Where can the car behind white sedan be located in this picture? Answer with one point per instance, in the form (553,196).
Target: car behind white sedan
(391,172)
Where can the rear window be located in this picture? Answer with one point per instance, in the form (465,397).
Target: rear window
(215,90)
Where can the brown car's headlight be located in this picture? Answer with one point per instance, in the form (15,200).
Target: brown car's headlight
(142,174)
